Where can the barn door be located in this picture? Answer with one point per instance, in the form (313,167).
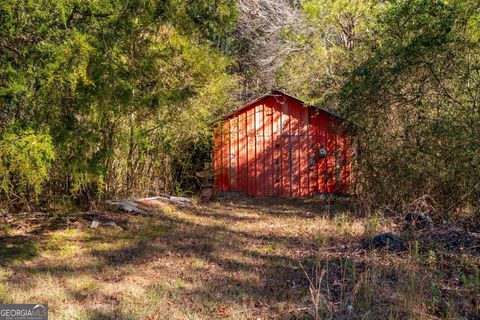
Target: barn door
(294,166)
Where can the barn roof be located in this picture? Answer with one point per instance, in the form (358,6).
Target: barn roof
(276,93)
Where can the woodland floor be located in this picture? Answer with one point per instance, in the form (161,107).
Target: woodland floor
(235,259)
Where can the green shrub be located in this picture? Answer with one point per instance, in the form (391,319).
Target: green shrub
(25,161)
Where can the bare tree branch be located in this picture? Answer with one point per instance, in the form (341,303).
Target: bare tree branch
(261,35)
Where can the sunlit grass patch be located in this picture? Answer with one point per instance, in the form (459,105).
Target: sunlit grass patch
(63,243)
(139,230)
(5,273)
(157,293)
(40,288)
(83,283)
(7,229)
(107,240)
(198,264)
(169,209)
(270,248)
(166,290)
(4,295)
(139,302)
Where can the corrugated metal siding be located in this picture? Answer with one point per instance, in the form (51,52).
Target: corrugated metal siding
(272,148)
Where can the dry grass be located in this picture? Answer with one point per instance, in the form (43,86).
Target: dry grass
(233,259)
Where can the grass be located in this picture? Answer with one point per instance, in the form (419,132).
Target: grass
(236,259)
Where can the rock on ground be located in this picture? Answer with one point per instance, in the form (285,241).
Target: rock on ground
(387,241)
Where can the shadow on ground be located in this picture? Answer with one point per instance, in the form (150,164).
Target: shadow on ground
(233,253)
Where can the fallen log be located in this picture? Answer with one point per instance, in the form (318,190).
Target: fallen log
(128,206)
(179,201)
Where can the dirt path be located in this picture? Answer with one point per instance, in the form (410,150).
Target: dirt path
(232,259)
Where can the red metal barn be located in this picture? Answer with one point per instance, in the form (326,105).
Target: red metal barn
(278,146)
